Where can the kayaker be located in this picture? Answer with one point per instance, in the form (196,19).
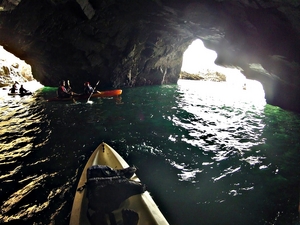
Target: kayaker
(88,89)
(62,92)
(14,87)
(22,90)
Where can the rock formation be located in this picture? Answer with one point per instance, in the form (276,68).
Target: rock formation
(132,43)
(207,76)
(13,69)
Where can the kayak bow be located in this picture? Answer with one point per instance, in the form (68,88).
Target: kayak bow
(143,204)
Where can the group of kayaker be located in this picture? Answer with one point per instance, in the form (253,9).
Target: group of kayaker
(14,88)
(65,91)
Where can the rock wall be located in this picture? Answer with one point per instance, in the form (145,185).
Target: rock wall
(133,43)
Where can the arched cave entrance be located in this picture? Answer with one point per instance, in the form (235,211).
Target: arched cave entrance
(199,64)
(14,69)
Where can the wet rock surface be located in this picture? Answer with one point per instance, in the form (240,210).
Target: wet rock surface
(128,44)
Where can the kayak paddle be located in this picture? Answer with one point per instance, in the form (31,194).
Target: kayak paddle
(93,91)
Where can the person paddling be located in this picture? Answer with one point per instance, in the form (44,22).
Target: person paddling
(88,89)
(14,87)
(22,90)
(62,92)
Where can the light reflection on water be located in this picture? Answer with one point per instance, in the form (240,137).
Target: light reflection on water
(207,152)
(230,127)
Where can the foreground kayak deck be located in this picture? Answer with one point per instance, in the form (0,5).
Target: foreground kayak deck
(143,204)
(102,94)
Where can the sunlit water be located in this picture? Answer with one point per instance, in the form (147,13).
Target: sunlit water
(209,153)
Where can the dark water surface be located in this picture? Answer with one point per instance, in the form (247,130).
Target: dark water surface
(208,153)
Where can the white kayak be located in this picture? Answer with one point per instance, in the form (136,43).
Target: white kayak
(143,204)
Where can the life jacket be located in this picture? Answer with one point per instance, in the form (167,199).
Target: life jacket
(62,92)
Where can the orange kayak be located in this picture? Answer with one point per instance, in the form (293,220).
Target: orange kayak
(100,94)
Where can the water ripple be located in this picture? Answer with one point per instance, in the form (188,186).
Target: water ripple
(211,155)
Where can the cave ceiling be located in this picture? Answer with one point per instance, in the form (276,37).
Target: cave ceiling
(134,43)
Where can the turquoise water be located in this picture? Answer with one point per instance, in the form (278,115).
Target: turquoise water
(209,153)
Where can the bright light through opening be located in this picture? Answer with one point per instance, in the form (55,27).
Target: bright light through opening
(198,59)
(14,69)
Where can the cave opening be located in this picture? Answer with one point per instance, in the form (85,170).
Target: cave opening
(200,61)
(14,69)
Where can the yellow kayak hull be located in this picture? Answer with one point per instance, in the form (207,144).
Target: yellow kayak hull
(143,204)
